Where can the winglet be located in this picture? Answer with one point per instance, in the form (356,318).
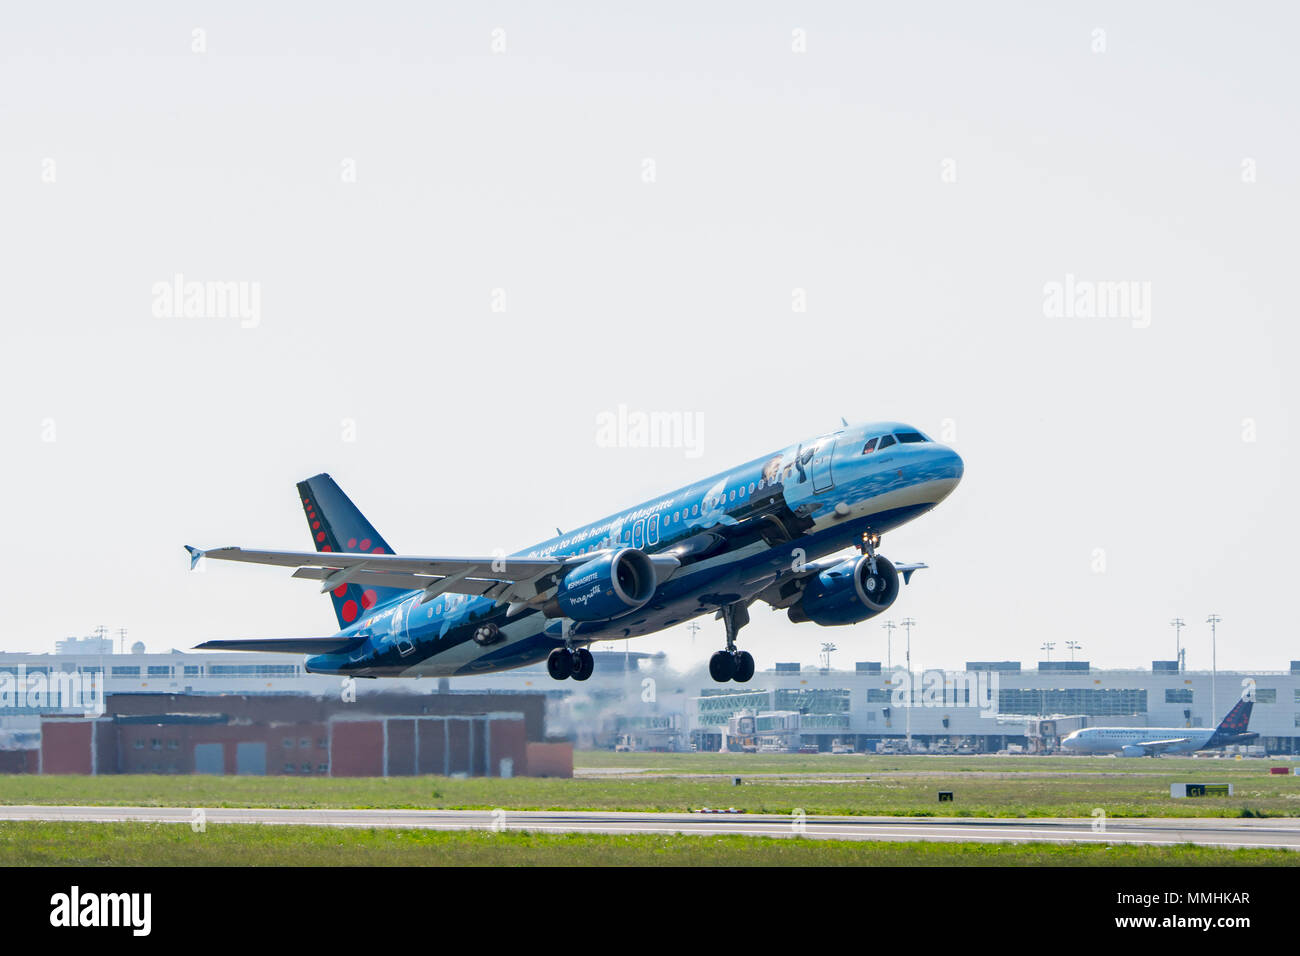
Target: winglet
(195,554)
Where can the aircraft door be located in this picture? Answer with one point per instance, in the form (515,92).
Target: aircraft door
(401,628)
(821,467)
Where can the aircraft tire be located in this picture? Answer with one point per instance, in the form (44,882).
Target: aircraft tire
(560,664)
(722,666)
(744,667)
(583,664)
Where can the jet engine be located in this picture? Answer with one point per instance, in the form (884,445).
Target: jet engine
(605,587)
(847,593)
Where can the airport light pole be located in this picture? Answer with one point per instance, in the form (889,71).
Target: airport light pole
(827,650)
(1073,646)
(1177,624)
(1047,646)
(907,623)
(889,645)
(1213,621)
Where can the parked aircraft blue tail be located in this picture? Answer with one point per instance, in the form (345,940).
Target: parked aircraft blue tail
(337,525)
(1232,729)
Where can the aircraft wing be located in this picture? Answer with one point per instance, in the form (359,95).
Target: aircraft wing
(505,579)
(1156,746)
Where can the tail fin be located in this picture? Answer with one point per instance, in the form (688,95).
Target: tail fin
(337,525)
(1238,718)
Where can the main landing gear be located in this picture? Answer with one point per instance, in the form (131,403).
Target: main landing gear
(732,664)
(565,662)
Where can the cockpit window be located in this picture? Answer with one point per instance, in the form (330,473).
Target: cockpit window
(885,442)
(909,437)
(870,447)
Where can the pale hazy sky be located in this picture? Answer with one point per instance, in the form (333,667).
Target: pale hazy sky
(1164,150)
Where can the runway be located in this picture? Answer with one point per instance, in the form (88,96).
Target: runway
(1281,833)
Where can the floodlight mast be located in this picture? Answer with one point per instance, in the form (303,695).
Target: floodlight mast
(1213,620)
(908,623)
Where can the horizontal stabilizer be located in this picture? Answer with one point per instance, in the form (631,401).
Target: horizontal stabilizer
(907,570)
(287,645)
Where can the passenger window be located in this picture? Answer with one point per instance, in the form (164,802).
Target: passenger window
(870,447)
(885,442)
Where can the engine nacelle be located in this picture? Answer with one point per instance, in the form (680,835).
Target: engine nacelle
(1132,750)
(606,586)
(847,593)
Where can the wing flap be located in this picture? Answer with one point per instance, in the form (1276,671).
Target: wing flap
(409,582)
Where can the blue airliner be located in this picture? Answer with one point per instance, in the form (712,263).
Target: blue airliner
(771,530)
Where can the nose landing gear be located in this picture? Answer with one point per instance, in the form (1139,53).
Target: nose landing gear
(732,664)
(870,541)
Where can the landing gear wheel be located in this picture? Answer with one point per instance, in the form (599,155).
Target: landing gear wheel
(583,664)
(560,664)
(744,667)
(722,665)
(486,634)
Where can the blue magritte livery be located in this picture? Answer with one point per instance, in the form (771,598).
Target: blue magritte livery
(769,530)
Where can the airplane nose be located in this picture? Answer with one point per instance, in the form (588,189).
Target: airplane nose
(958,466)
(945,469)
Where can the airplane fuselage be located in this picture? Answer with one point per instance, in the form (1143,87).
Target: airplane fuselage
(735,534)
(1110,740)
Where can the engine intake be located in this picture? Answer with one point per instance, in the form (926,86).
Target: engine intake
(605,587)
(847,593)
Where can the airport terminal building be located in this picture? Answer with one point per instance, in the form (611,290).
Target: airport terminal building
(638,701)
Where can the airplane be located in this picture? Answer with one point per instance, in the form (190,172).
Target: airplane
(1151,741)
(767,530)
